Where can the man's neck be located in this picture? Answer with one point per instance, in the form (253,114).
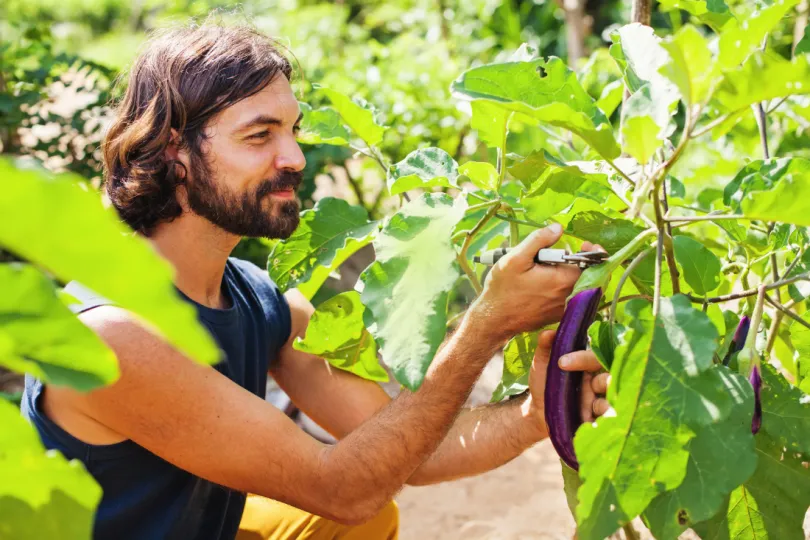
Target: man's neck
(198,250)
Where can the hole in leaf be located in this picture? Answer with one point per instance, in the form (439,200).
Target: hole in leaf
(683,517)
(541,71)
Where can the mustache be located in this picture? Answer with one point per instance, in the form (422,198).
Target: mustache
(283,180)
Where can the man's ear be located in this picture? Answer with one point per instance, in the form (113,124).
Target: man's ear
(172,152)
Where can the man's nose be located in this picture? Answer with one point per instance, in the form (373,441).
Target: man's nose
(290,156)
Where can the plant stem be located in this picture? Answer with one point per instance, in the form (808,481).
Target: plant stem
(713,124)
(750,292)
(625,298)
(710,217)
(630,532)
(630,268)
(795,261)
(659,252)
(462,256)
(669,247)
(519,221)
(759,113)
(475,207)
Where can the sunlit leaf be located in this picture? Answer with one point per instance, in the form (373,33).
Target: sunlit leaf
(57,223)
(612,234)
(322,126)
(691,67)
(740,37)
(546,91)
(42,495)
(326,236)
(423,168)
(484,175)
(358,115)
(405,290)
(517,361)
(41,336)
(665,389)
(336,333)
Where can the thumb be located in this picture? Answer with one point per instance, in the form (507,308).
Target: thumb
(544,343)
(537,240)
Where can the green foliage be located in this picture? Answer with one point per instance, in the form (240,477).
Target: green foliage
(405,290)
(337,334)
(108,260)
(41,336)
(665,391)
(42,494)
(517,362)
(423,168)
(326,236)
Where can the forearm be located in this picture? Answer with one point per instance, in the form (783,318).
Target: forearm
(482,439)
(374,461)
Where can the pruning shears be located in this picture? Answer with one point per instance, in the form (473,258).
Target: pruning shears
(583,259)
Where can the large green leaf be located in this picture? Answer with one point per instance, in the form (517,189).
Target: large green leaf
(546,91)
(714,13)
(701,267)
(691,66)
(322,126)
(640,56)
(423,168)
(773,190)
(481,173)
(645,123)
(490,120)
(358,115)
(56,222)
(405,290)
(760,175)
(611,233)
(664,389)
(740,37)
(337,334)
(771,505)
(557,187)
(326,236)
(42,495)
(517,361)
(762,77)
(721,457)
(41,336)
(785,410)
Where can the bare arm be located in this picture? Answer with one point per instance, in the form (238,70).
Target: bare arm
(201,421)
(481,439)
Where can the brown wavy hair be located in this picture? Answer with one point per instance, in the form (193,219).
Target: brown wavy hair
(182,79)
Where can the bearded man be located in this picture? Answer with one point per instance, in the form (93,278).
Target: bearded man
(202,152)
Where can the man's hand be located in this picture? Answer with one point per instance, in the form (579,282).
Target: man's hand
(594,384)
(520,295)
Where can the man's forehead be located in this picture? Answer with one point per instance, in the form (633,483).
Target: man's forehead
(275,100)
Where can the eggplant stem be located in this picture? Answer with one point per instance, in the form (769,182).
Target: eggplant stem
(617,296)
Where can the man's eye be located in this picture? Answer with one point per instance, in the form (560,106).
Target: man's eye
(296,130)
(259,135)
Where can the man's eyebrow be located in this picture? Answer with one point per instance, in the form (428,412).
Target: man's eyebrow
(264,120)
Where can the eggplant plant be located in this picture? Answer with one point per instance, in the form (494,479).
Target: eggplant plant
(658,149)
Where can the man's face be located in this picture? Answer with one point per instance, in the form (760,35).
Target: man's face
(246,182)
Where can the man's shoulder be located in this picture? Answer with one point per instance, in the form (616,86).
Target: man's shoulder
(252,272)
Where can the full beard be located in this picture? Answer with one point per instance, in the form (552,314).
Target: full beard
(245,215)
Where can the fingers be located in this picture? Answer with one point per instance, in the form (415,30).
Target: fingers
(587,398)
(600,383)
(600,406)
(587,246)
(580,361)
(523,254)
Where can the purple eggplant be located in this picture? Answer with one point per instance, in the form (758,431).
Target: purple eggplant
(562,387)
(756,382)
(738,341)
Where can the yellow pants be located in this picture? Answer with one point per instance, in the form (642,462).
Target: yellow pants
(266,519)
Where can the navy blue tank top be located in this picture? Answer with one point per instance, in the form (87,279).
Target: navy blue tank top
(146,497)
